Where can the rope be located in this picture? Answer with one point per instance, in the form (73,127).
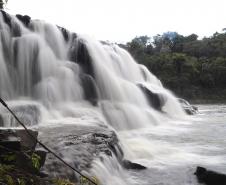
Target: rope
(44,146)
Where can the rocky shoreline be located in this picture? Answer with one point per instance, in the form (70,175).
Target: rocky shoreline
(23,161)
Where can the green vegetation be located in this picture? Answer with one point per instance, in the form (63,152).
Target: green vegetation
(35,159)
(62,182)
(19,168)
(193,69)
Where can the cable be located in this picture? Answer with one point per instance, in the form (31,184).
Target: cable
(41,144)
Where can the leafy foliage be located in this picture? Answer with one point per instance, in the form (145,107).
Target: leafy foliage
(35,159)
(183,63)
(62,182)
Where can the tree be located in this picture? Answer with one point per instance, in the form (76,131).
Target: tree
(139,46)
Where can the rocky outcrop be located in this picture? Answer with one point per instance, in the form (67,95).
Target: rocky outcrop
(6,18)
(90,88)
(25,19)
(80,145)
(79,54)
(210,177)
(15,29)
(65,33)
(20,137)
(156,100)
(131,165)
(188,108)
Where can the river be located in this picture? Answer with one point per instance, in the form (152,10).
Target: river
(172,150)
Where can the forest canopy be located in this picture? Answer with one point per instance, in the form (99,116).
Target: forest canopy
(188,66)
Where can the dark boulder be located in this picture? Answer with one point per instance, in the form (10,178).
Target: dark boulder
(79,54)
(210,177)
(64,32)
(6,17)
(25,19)
(14,27)
(18,139)
(90,88)
(156,100)
(8,145)
(26,141)
(1,121)
(9,140)
(134,166)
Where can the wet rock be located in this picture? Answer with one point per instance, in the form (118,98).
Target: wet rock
(26,141)
(17,139)
(1,121)
(6,17)
(156,100)
(79,54)
(64,32)
(188,108)
(210,177)
(25,19)
(130,165)
(90,89)
(9,141)
(80,145)
(15,29)
(9,145)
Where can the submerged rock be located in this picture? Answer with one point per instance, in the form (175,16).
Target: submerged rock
(210,177)
(188,108)
(130,165)
(6,17)
(25,19)
(156,100)
(79,54)
(90,89)
(1,121)
(29,114)
(64,32)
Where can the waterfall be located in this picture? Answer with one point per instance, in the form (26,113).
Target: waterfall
(50,75)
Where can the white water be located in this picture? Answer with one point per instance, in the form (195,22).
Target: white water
(173,150)
(36,66)
(36,72)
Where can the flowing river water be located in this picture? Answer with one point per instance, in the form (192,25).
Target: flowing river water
(174,149)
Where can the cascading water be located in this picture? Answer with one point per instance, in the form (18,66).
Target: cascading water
(51,76)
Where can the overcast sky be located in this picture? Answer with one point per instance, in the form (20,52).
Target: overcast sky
(122,20)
